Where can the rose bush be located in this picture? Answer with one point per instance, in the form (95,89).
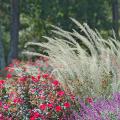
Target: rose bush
(30,92)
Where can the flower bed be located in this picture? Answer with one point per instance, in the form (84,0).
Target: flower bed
(30,92)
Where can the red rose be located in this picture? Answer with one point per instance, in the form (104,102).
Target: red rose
(35,116)
(17,100)
(38,77)
(89,100)
(11,70)
(22,79)
(6,107)
(2,82)
(67,104)
(6,68)
(60,93)
(72,97)
(32,118)
(58,108)
(50,105)
(45,75)
(42,106)
(55,82)
(9,76)
(0,103)
(34,79)
(11,65)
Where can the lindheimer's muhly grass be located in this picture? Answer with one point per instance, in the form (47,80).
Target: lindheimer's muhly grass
(94,71)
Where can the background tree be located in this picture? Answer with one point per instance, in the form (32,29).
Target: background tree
(2,56)
(14,31)
(115,16)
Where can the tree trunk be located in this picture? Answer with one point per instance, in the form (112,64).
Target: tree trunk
(14,33)
(64,5)
(115,16)
(44,14)
(2,56)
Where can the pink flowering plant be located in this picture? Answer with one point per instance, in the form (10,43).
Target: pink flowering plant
(30,92)
(98,109)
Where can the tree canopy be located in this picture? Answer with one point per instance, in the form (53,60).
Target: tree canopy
(36,16)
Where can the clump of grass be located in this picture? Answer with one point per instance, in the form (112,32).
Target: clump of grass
(88,69)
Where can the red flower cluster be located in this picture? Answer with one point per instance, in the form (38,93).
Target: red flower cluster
(50,98)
